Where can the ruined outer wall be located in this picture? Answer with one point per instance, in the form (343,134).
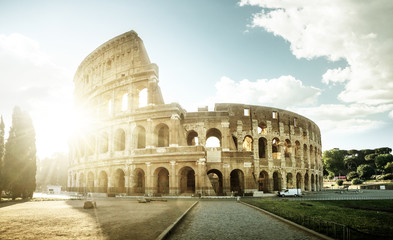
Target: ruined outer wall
(156,148)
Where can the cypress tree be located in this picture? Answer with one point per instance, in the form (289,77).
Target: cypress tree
(2,149)
(20,156)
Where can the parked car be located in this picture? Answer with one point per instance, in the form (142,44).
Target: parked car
(296,192)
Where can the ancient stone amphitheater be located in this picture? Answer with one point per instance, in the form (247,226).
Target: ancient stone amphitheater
(135,144)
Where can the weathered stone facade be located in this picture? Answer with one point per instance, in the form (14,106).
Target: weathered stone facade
(136,144)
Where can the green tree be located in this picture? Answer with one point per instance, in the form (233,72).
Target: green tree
(382,159)
(20,156)
(333,161)
(352,175)
(365,171)
(389,167)
(2,150)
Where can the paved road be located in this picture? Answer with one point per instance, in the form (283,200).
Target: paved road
(227,219)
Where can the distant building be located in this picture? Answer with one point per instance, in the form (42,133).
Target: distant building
(133,143)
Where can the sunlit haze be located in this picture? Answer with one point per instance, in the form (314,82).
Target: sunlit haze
(330,61)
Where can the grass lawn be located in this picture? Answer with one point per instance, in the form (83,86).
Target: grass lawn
(368,216)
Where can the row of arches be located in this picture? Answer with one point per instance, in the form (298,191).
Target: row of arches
(186,181)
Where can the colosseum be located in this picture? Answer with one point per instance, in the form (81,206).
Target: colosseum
(136,144)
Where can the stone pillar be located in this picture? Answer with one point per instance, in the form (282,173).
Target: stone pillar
(226,178)
(149,185)
(239,131)
(282,154)
(226,136)
(173,187)
(150,138)
(283,180)
(174,131)
(269,154)
(151,89)
(201,185)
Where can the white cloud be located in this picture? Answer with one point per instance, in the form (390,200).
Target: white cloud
(391,114)
(355,31)
(285,91)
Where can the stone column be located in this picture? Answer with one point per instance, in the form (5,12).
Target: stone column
(283,180)
(226,178)
(173,187)
(225,145)
(174,131)
(149,185)
(150,138)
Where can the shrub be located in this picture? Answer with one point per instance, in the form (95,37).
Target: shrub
(339,182)
(388,176)
(356,181)
(352,175)
(365,171)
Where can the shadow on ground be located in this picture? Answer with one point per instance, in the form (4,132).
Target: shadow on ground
(128,219)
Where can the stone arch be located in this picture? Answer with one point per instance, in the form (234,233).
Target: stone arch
(306,182)
(263,181)
(139,181)
(139,136)
(162,180)
(216,180)
(299,180)
(142,98)
(262,143)
(276,151)
(312,183)
(305,156)
(262,128)
(192,138)
(248,143)
(90,182)
(103,182)
(120,139)
(213,138)
(162,133)
(287,148)
(119,181)
(276,181)
(290,180)
(237,181)
(187,180)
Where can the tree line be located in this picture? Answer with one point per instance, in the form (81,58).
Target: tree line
(18,157)
(359,164)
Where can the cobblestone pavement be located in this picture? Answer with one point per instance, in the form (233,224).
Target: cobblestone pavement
(227,219)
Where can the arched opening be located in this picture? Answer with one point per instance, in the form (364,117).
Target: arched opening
(213,138)
(247,143)
(263,181)
(187,180)
(234,142)
(306,183)
(289,180)
(120,139)
(262,147)
(103,182)
(124,102)
(305,156)
(81,183)
(276,181)
(142,99)
(104,142)
(139,181)
(262,128)
(119,181)
(298,181)
(237,182)
(139,137)
(287,148)
(162,181)
(162,131)
(276,148)
(312,183)
(90,182)
(192,138)
(216,180)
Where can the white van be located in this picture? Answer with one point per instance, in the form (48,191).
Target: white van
(297,192)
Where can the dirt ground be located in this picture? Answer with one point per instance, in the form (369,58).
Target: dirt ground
(113,219)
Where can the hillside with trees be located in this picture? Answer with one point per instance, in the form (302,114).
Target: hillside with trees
(359,164)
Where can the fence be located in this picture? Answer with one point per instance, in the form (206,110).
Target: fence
(328,228)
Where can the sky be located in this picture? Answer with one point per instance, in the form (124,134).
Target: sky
(330,61)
